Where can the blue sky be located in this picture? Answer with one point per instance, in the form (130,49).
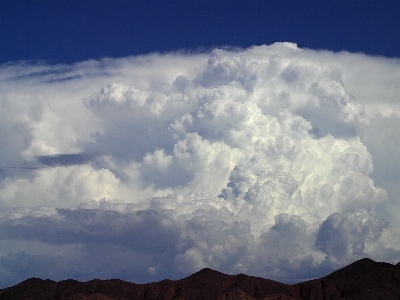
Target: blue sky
(147,140)
(71,31)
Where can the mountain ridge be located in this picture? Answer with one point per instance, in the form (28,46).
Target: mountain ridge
(364,279)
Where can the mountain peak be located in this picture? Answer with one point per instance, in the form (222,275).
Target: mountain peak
(363,261)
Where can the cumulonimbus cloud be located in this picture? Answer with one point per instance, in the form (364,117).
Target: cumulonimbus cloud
(251,160)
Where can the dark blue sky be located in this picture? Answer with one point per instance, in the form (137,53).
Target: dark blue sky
(68,31)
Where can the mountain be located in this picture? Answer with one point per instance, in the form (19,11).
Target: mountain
(364,279)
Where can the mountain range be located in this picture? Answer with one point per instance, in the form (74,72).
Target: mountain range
(364,279)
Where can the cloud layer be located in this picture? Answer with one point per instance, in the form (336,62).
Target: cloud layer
(258,160)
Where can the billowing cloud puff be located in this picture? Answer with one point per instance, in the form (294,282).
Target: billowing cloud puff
(343,236)
(253,161)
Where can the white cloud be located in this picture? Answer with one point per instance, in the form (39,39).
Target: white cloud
(268,160)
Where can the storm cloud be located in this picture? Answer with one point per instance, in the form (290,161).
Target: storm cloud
(268,160)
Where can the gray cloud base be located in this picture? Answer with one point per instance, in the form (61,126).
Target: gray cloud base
(142,168)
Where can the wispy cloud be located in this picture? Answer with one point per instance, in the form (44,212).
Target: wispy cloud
(57,160)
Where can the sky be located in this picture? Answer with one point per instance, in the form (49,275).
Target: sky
(148,140)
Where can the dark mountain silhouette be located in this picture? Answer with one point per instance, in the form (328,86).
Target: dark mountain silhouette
(363,279)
